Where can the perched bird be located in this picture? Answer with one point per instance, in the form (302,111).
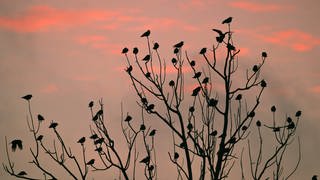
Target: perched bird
(93,136)
(81,140)
(151,168)
(152,133)
(144,101)
(231,47)
(298,113)
(99,149)
(203,51)
(150,107)
(189,126)
(146,34)
(273,109)
(179,45)
(264,54)
(39,138)
(212,102)
(129,69)
(91,162)
(22,173)
(176,155)
(99,141)
(174,61)
(263,83)
(100,112)
(146,58)
(291,125)
(251,114)
(205,80)
(191,109)
(197,75)
(90,104)
(171,83)
(192,63)
(213,133)
(155,46)
(145,160)
(258,123)
(40,117)
(16,143)
(147,75)
(53,125)
(125,50)
(128,118)
(221,36)
(95,117)
(244,128)
(289,120)
(27,97)
(176,50)
(142,127)
(227,21)
(196,91)
(255,68)
(239,97)
(314,177)
(135,50)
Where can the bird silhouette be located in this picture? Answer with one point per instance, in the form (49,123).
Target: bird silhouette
(273,109)
(231,47)
(179,45)
(39,138)
(203,51)
(27,97)
(81,140)
(291,125)
(171,83)
(197,75)
(100,112)
(53,125)
(99,141)
(192,63)
(125,50)
(212,102)
(146,58)
(176,155)
(251,114)
(148,75)
(40,117)
(289,120)
(227,21)
(95,117)
(314,177)
(135,50)
(263,83)
(244,128)
(205,80)
(239,97)
(142,127)
(151,168)
(191,109)
(99,149)
(150,107)
(90,105)
(176,50)
(298,113)
(144,101)
(128,118)
(258,123)
(174,61)
(129,69)
(94,136)
(264,54)
(146,34)
(152,133)
(155,46)
(145,160)
(213,133)
(189,126)
(16,143)
(91,162)
(255,68)
(196,91)
(22,173)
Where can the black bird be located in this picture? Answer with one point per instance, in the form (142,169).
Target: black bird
(244,128)
(147,75)
(251,114)
(227,21)
(16,143)
(192,63)
(144,101)
(146,34)
(152,133)
(212,102)
(151,168)
(142,127)
(314,177)
(239,97)
(196,91)
(100,112)
(22,173)
(221,36)
(95,117)
(263,83)
(128,118)
(191,109)
(213,133)
(94,136)
(155,46)
(298,113)
(264,54)
(289,120)
(176,155)
(176,50)
(99,149)
(255,68)
(171,83)
(174,61)
(91,162)
(150,107)
(203,51)
(189,126)
(258,123)
(205,80)
(40,117)
(81,140)
(179,45)
(39,138)
(145,160)
(53,125)
(197,75)
(125,50)
(129,69)
(273,109)
(135,50)
(99,141)
(218,31)
(90,104)
(231,47)
(291,125)
(27,97)
(146,58)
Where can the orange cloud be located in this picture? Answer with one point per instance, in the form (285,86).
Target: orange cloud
(44,18)
(294,39)
(48,89)
(257,7)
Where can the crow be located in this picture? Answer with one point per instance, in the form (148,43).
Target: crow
(22,173)
(227,21)
(128,118)
(16,143)
(27,97)
(179,45)
(39,138)
(196,91)
(53,125)
(125,50)
(135,50)
(146,34)
(40,117)
(155,46)
(203,51)
(90,104)
(152,133)
(91,162)
(81,140)
(145,160)
(94,136)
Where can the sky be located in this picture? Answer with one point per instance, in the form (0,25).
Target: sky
(67,53)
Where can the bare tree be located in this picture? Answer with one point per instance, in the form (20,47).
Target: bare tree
(209,126)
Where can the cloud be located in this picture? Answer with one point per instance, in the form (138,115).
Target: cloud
(258,7)
(44,18)
(292,38)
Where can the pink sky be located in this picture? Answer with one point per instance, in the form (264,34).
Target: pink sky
(68,52)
